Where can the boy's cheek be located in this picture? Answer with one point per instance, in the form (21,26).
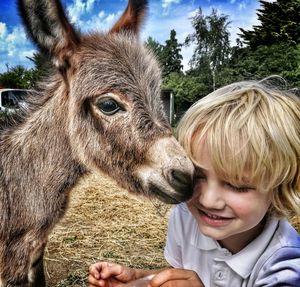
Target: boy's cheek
(192,206)
(188,203)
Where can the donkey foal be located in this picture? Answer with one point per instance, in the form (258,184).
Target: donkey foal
(99,109)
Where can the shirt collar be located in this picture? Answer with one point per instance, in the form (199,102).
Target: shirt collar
(198,239)
(203,242)
(243,262)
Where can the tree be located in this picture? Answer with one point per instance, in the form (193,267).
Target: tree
(211,38)
(17,77)
(263,62)
(273,47)
(172,55)
(279,23)
(168,55)
(186,88)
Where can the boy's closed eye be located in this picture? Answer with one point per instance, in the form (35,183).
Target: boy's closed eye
(241,188)
(201,176)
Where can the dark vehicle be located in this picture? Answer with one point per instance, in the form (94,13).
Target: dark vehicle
(12,99)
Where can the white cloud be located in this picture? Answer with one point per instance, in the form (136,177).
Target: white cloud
(110,18)
(193,13)
(2,30)
(17,36)
(83,14)
(78,8)
(26,53)
(99,22)
(101,14)
(90,5)
(11,42)
(238,20)
(15,46)
(166,4)
(242,5)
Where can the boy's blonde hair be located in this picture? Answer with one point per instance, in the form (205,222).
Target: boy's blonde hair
(252,134)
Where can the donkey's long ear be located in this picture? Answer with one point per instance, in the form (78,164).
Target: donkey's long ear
(132,17)
(49,27)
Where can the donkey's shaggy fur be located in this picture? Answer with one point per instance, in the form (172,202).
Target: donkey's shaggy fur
(99,110)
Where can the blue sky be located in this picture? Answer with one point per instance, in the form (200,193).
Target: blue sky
(88,15)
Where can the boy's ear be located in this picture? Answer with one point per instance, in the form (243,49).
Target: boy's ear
(132,17)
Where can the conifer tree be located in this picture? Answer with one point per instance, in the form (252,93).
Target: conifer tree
(172,55)
(279,23)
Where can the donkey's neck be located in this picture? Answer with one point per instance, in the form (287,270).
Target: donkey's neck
(37,157)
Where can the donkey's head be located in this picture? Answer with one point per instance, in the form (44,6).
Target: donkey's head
(115,116)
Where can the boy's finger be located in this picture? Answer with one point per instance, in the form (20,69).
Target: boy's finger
(173,274)
(94,272)
(180,283)
(93,281)
(96,269)
(111,269)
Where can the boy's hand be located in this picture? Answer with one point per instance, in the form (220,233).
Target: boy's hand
(176,278)
(105,274)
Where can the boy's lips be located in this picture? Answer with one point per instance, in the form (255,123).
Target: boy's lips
(214,219)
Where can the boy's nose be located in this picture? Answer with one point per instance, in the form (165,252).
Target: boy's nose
(211,197)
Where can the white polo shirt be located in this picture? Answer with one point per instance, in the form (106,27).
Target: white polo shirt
(272,259)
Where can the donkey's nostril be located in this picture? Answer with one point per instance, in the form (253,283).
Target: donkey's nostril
(180,178)
(181,181)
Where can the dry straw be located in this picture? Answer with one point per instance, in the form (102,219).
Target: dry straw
(107,223)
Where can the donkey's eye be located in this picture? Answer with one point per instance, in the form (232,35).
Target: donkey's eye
(108,106)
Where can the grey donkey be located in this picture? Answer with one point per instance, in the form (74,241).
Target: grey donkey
(99,109)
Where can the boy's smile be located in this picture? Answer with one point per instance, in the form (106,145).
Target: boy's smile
(213,219)
(229,214)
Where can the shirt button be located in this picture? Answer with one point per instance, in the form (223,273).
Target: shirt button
(219,275)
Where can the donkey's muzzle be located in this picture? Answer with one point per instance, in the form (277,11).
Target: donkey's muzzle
(169,172)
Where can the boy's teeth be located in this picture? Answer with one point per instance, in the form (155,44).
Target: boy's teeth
(213,216)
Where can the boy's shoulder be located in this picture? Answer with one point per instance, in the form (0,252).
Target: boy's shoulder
(286,235)
(281,260)
(285,242)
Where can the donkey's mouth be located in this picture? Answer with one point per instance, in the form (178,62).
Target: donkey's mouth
(162,195)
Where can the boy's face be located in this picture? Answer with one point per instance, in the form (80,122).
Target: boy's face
(229,214)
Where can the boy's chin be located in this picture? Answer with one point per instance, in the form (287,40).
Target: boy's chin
(213,233)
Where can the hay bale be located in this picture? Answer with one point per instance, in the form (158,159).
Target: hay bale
(105,222)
